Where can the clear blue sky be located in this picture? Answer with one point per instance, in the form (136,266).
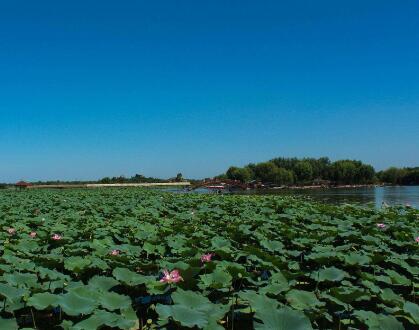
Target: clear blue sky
(101,88)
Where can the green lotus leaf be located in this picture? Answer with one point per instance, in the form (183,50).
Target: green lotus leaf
(322,257)
(43,300)
(221,244)
(412,309)
(192,309)
(215,314)
(27,246)
(156,287)
(275,288)
(391,298)
(84,291)
(186,316)
(302,300)
(66,325)
(5,268)
(76,264)
(218,279)
(9,324)
(130,278)
(371,286)
(129,314)
(46,273)
(22,280)
(350,294)
(272,245)
(11,293)
(103,283)
(353,259)
(113,301)
(283,318)
(331,274)
(73,304)
(153,248)
(189,299)
(257,301)
(335,301)
(53,285)
(103,318)
(278,284)
(397,279)
(233,268)
(98,263)
(378,321)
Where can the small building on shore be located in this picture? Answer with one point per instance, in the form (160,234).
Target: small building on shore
(22,185)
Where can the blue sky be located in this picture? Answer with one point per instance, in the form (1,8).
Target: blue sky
(101,88)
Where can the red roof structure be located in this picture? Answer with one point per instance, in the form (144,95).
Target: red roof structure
(22,184)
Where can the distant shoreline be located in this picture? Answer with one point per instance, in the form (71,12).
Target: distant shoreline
(347,186)
(327,187)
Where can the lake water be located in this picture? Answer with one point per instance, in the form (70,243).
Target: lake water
(391,195)
(397,195)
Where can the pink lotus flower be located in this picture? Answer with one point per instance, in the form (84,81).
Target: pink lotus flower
(207,257)
(172,277)
(32,234)
(115,252)
(11,231)
(56,237)
(381,225)
(417,239)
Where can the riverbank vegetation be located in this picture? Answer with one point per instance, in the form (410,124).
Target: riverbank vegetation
(137,178)
(308,171)
(137,259)
(401,176)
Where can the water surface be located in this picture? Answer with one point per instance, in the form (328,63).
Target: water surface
(392,195)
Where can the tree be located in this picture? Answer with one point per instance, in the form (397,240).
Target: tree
(411,176)
(282,176)
(289,170)
(344,171)
(242,174)
(105,180)
(265,172)
(268,172)
(179,177)
(303,171)
(352,172)
(365,173)
(393,175)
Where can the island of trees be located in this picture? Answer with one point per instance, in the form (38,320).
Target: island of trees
(312,171)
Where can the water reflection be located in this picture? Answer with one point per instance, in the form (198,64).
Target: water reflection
(374,195)
(368,195)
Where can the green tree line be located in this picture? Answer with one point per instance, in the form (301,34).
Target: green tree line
(288,171)
(402,176)
(137,178)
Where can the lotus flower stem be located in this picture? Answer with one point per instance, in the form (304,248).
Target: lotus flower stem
(232,310)
(317,282)
(33,319)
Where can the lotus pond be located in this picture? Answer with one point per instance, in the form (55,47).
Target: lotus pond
(138,259)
